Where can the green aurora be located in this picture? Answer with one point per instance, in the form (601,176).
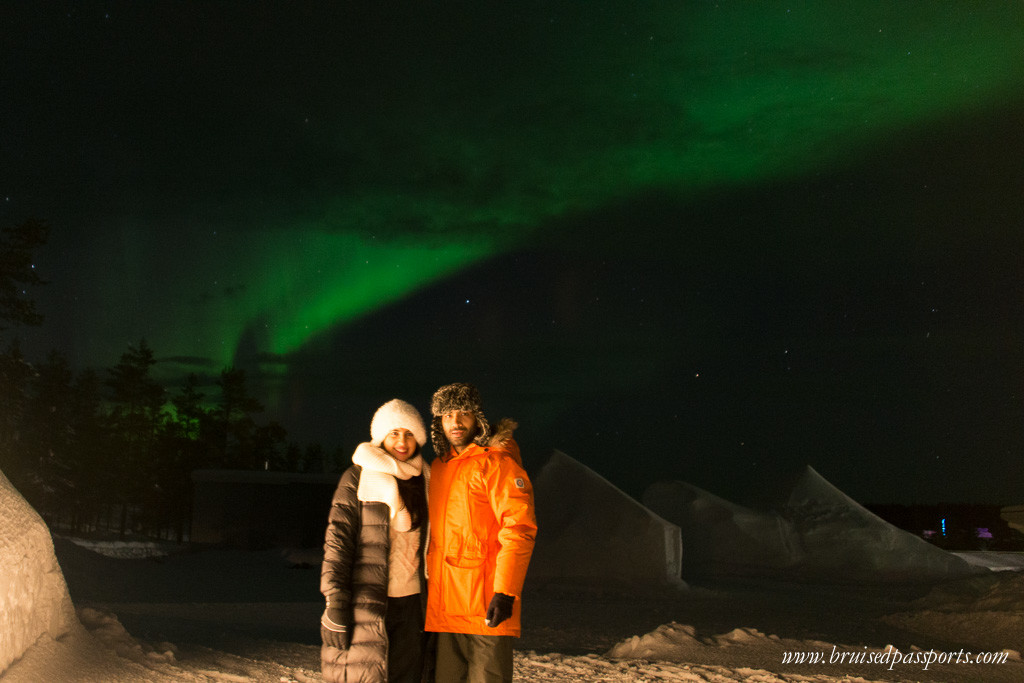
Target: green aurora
(475,152)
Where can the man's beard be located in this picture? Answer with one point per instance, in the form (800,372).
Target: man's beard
(464,439)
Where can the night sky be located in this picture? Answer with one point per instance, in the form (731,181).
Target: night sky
(706,241)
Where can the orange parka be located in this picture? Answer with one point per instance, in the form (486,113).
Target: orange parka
(482,530)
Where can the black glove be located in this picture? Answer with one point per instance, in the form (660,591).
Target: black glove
(500,609)
(335,628)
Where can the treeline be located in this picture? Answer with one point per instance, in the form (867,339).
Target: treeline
(113,449)
(116,451)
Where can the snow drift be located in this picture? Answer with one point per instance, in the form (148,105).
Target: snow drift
(591,531)
(819,533)
(34,599)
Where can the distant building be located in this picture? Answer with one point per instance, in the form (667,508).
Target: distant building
(255,509)
(958,526)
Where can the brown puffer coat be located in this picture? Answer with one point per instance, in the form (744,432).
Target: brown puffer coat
(354,577)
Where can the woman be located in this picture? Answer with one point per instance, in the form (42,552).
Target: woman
(372,575)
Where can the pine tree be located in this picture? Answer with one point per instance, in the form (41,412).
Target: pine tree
(234,420)
(17,273)
(269,451)
(182,450)
(49,434)
(189,413)
(91,444)
(135,417)
(16,375)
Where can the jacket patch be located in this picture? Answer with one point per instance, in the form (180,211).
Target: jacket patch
(518,481)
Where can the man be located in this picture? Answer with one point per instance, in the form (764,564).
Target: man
(482,530)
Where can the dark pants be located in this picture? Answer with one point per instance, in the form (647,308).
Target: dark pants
(404,626)
(474,659)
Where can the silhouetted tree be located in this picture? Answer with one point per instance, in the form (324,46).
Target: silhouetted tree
(234,420)
(188,409)
(339,460)
(91,443)
(135,416)
(314,458)
(18,271)
(48,441)
(16,375)
(182,449)
(293,458)
(268,450)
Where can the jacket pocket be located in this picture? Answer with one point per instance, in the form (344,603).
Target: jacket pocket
(465,586)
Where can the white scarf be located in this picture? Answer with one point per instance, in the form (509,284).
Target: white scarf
(377,482)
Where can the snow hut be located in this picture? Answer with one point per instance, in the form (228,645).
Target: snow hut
(723,538)
(818,534)
(841,536)
(590,531)
(34,600)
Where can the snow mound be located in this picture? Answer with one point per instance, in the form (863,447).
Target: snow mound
(722,537)
(818,534)
(674,642)
(105,627)
(842,536)
(34,600)
(100,649)
(592,531)
(664,643)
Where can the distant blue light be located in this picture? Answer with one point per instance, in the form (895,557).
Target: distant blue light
(943,526)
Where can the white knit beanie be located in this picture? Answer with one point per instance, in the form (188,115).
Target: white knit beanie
(395,414)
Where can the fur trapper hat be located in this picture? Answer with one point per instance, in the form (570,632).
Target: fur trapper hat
(457,396)
(396,414)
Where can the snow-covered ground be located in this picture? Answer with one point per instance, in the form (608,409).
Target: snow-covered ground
(155,612)
(229,615)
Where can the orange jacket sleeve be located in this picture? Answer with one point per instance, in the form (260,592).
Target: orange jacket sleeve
(511,499)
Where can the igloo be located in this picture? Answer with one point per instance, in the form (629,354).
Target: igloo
(34,599)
